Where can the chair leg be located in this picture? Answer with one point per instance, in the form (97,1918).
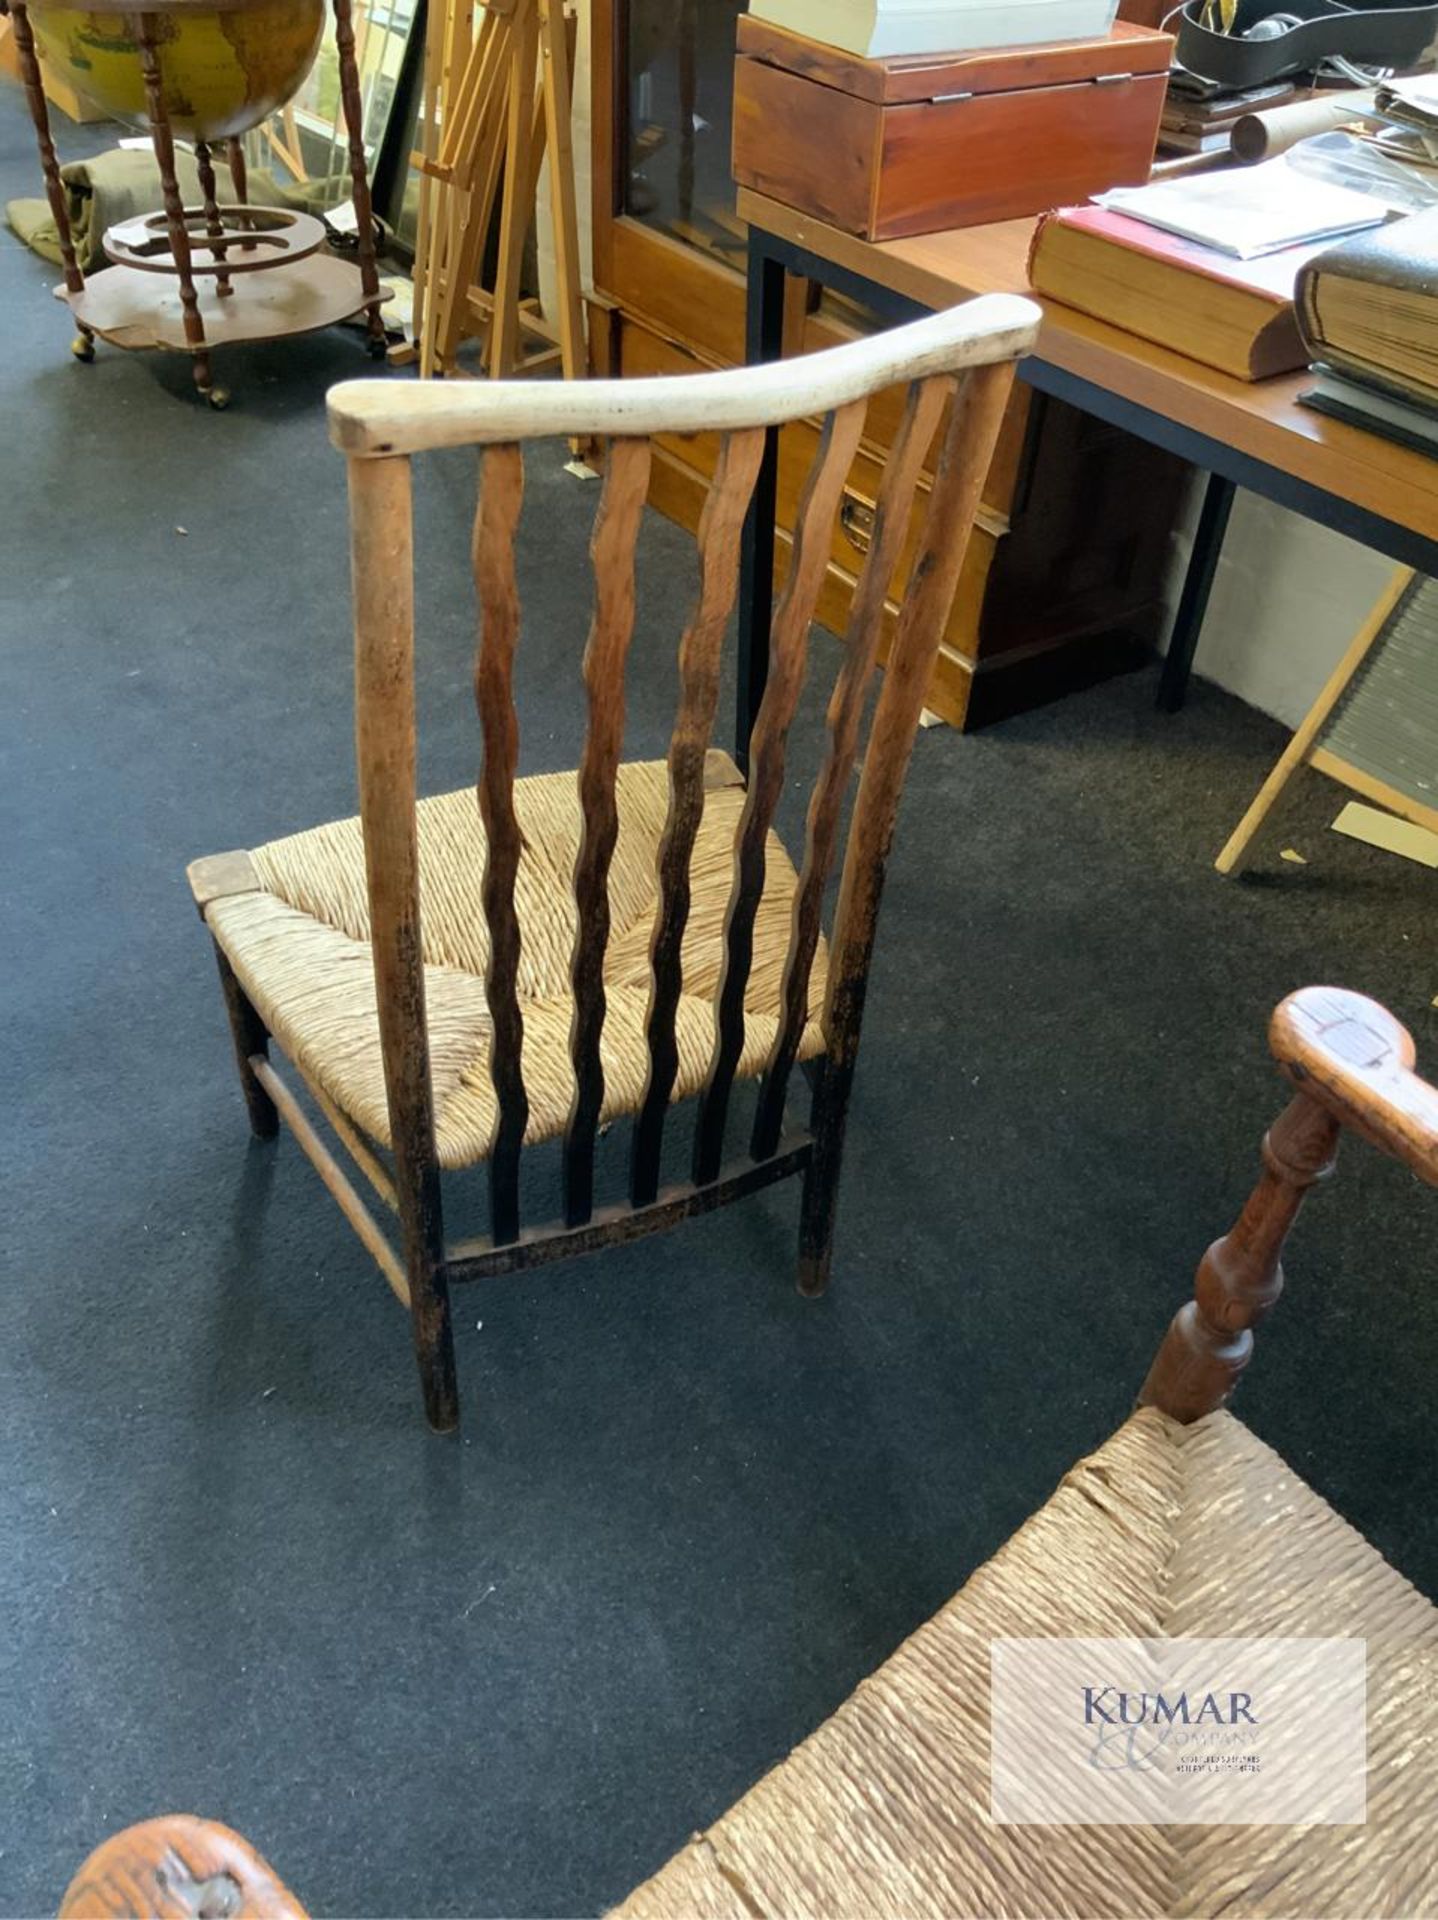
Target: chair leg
(247,1030)
(430,1322)
(820,1202)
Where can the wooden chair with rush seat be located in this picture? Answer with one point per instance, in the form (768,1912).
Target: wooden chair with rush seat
(1182,1525)
(455,981)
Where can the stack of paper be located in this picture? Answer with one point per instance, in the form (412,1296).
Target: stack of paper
(879,29)
(1248,211)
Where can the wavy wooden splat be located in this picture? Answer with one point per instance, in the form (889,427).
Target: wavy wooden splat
(699,656)
(616,529)
(789,645)
(501,496)
(925,405)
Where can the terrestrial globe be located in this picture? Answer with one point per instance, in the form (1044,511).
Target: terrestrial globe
(225,67)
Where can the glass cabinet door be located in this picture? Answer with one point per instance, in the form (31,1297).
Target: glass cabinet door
(674,122)
(305,144)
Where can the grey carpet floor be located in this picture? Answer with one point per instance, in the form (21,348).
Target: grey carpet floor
(509,1673)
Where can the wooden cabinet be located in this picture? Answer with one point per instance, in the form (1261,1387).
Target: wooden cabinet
(1065,576)
(884,148)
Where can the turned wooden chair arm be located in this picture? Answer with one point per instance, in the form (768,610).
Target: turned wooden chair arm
(178,1868)
(1352,1057)
(1351,1063)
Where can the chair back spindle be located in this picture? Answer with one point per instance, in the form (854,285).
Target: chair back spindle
(500,498)
(924,405)
(616,530)
(788,651)
(720,528)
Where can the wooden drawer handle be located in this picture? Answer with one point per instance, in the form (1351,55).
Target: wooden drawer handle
(856,517)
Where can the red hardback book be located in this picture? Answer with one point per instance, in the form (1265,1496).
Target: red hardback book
(1236,315)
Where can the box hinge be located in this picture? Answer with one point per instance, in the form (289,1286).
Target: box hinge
(1111,79)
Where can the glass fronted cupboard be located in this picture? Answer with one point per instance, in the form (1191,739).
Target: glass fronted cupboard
(1064,577)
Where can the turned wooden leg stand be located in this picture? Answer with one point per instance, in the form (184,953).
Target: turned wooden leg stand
(214,225)
(132,304)
(239,172)
(83,346)
(359,176)
(176,226)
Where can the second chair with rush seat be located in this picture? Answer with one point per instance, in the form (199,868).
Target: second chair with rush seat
(1182,1526)
(456,978)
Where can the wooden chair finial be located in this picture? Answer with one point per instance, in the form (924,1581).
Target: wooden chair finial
(1349,1054)
(178,1868)
(1352,1064)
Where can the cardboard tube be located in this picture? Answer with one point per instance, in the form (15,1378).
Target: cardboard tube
(1262,136)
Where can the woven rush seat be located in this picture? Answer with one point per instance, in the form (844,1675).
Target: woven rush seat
(299,942)
(1198,1531)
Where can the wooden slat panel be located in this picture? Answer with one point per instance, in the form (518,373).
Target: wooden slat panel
(788,648)
(467,107)
(926,404)
(467,207)
(720,527)
(616,529)
(501,495)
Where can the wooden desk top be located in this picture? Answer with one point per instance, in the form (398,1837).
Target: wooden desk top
(1261,418)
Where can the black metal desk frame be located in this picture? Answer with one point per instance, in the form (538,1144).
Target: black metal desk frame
(771,258)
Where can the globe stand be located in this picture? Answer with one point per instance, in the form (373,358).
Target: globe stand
(263,275)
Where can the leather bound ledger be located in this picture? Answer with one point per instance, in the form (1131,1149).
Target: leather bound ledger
(1369,306)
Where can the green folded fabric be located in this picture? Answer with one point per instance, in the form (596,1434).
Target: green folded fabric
(121,185)
(114,186)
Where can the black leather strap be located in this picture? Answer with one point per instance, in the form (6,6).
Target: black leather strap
(1371,35)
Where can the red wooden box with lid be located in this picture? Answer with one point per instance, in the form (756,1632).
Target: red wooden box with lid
(919,142)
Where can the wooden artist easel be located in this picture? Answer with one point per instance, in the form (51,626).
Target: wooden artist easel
(1374,727)
(497,98)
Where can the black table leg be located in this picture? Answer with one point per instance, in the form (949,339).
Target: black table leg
(763,340)
(1197,585)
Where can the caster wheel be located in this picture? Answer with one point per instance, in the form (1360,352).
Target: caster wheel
(219,398)
(377,349)
(83,348)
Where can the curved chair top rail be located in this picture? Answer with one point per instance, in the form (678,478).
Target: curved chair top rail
(378,417)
